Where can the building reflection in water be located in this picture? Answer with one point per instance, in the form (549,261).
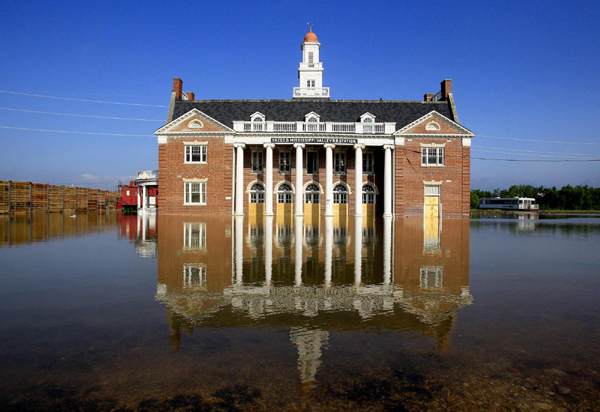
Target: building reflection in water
(395,275)
(27,228)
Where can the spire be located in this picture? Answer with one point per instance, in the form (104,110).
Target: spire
(310,71)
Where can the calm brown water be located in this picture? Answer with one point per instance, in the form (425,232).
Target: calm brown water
(111,312)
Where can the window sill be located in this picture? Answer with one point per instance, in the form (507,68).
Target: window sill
(194,204)
(195,163)
(433,165)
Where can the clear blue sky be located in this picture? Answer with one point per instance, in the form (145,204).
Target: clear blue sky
(519,70)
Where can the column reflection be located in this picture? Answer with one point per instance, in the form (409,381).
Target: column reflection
(216,273)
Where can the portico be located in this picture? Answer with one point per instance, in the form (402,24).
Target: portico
(323,178)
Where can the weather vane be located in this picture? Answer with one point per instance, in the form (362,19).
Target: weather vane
(310,25)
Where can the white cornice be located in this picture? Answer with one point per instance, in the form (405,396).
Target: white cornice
(187,116)
(433,114)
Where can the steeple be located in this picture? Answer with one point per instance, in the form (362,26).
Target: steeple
(310,71)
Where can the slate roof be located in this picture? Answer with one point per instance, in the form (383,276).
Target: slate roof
(226,111)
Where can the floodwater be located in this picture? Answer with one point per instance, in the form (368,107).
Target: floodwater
(112,312)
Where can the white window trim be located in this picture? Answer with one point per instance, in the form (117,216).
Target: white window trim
(435,146)
(187,269)
(202,182)
(187,238)
(195,144)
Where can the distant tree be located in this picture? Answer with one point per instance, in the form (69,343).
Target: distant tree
(567,198)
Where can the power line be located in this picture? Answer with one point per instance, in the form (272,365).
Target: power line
(80,115)
(72,132)
(526,154)
(82,100)
(534,140)
(529,151)
(536,160)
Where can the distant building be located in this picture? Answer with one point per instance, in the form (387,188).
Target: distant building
(312,156)
(141,194)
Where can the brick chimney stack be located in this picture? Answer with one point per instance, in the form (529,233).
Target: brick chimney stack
(178,88)
(191,96)
(446,88)
(428,97)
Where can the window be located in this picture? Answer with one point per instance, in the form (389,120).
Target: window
(194,235)
(312,163)
(257,193)
(312,194)
(258,124)
(310,58)
(194,275)
(339,163)
(368,195)
(432,277)
(432,190)
(284,194)
(195,154)
(432,156)
(128,193)
(368,163)
(257,162)
(368,128)
(310,83)
(195,193)
(340,194)
(285,162)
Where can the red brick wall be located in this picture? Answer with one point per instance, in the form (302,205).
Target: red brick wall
(410,175)
(172,170)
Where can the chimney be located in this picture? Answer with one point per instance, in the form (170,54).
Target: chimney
(191,96)
(178,87)
(446,88)
(428,97)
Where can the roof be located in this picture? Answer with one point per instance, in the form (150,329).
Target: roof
(401,112)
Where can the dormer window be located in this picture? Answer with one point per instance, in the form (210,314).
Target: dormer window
(258,120)
(367,118)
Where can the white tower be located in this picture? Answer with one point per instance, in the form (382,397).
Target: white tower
(310,71)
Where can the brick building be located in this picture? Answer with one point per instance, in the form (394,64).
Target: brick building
(313,156)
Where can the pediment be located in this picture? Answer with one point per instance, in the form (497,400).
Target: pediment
(434,123)
(193,121)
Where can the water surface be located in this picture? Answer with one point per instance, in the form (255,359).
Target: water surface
(101,312)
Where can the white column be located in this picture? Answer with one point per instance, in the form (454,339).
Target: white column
(138,197)
(358,177)
(387,250)
(268,250)
(387,183)
(329,180)
(328,249)
(239,180)
(299,180)
(269,180)
(144,198)
(358,223)
(298,249)
(239,249)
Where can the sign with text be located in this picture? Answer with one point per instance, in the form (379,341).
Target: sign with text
(313,140)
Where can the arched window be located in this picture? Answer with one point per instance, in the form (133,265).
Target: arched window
(257,193)
(368,120)
(340,194)
(284,193)
(312,194)
(368,195)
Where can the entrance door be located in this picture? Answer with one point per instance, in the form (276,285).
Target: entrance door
(432,201)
